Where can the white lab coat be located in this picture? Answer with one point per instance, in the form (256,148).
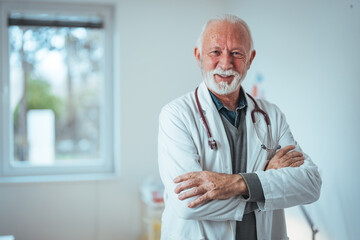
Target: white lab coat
(183,147)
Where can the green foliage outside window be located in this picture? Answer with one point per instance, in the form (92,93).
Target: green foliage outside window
(39,96)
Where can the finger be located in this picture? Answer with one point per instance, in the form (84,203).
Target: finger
(185,177)
(297,164)
(291,161)
(294,154)
(200,200)
(284,150)
(185,185)
(191,193)
(288,159)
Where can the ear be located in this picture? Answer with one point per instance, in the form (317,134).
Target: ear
(197,55)
(252,56)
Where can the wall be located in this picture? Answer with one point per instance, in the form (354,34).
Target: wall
(156,64)
(308,53)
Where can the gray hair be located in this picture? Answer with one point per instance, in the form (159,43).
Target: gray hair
(228,18)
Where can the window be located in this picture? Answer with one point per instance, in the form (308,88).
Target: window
(58,106)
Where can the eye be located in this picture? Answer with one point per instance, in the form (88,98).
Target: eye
(237,54)
(215,53)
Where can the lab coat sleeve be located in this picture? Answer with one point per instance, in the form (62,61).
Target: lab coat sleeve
(290,186)
(177,154)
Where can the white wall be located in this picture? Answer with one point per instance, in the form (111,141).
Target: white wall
(309,54)
(156,41)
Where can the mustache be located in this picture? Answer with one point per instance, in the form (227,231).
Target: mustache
(225,73)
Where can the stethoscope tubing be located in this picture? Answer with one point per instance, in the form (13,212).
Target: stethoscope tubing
(257,109)
(211,140)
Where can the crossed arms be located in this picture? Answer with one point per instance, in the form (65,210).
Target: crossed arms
(290,178)
(207,186)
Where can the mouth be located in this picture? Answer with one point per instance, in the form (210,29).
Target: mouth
(223,77)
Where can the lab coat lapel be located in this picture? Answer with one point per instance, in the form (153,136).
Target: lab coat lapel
(216,127)
(254,151)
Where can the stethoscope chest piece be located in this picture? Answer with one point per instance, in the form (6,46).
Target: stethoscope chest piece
(212,143)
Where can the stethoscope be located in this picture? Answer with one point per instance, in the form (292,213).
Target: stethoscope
(212,143)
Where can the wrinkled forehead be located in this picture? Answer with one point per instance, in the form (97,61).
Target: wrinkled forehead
(218,32)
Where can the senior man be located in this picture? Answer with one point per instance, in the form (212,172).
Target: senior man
(225,173)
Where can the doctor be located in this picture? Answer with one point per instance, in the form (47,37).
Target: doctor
(225,176)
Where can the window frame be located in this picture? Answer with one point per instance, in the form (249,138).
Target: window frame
(108,166)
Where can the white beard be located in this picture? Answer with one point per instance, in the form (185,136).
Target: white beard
(223,88)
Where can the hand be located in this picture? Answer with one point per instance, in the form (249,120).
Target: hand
(209,186)
(285,158)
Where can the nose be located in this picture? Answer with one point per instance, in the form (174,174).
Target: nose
(226,61)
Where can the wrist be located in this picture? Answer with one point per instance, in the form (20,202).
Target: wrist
(242,186)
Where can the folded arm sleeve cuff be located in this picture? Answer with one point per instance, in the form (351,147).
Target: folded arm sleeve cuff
(253,183)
